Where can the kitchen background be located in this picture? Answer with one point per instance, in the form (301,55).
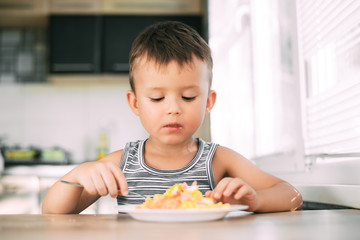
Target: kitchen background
(63,83)
(286,73)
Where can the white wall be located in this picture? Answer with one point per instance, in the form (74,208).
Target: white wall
(68,115)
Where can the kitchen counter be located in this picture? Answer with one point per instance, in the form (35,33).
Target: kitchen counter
(23,188)
(45,171)
(24,193)
(316,224)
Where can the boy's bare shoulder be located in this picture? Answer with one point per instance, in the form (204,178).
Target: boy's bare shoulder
(229,163)
(226,154)
(114,157)
(228,160)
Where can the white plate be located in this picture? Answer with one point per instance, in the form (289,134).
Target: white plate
(178,215)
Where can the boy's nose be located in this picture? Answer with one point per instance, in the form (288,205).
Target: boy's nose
(174,108)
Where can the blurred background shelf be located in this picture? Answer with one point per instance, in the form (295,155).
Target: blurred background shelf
(23,188)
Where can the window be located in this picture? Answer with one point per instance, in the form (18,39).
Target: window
(230,39)
(256,77)
(287,75)
(329,34)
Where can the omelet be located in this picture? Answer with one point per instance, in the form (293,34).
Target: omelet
(181,196)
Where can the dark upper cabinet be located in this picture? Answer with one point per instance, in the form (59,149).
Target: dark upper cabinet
(93,44)
(120,31)
(74,44)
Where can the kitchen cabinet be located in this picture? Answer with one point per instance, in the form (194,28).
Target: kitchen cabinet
(21,7)
(119,31)
(74,6)
(137,7)
(15,13)
(22,55)
(100,44)
(93,36)
(74,43)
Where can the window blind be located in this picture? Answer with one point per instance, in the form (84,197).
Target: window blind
(329,40)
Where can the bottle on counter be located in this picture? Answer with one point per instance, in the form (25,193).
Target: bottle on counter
(102,149)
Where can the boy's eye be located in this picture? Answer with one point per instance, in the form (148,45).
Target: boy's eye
(157,99)
(188,98)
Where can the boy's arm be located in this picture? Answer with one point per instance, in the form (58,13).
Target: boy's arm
(239,181)
(280,197)
(64,198)
(97,178)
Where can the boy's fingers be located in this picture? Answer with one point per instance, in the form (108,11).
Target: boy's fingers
(233,186)
(220,188)
(208,194)
(99,185)
(111,184)
(242,192)
(120,179)
(89,187)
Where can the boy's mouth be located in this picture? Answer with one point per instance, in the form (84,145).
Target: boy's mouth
(173,126)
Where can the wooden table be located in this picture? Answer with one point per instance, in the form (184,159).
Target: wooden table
(315,224)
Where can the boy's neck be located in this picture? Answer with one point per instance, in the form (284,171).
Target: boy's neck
(169,156)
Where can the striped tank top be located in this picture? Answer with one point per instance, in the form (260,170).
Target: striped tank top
(145,181)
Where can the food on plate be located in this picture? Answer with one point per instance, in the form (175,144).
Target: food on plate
(181,196)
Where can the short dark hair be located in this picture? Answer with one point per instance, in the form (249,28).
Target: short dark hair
(167,41)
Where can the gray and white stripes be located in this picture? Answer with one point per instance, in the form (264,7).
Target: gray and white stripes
(144,180)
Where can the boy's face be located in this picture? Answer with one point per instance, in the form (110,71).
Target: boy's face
(171,100)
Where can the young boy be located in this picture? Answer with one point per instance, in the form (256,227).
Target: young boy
(170,78)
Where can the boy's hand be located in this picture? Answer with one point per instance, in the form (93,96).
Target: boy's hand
(234,191)
(100,177)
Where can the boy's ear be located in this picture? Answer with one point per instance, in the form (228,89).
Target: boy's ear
(132,101)
(210,101)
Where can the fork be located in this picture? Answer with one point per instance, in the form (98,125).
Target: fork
(79,185)
(138,194)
